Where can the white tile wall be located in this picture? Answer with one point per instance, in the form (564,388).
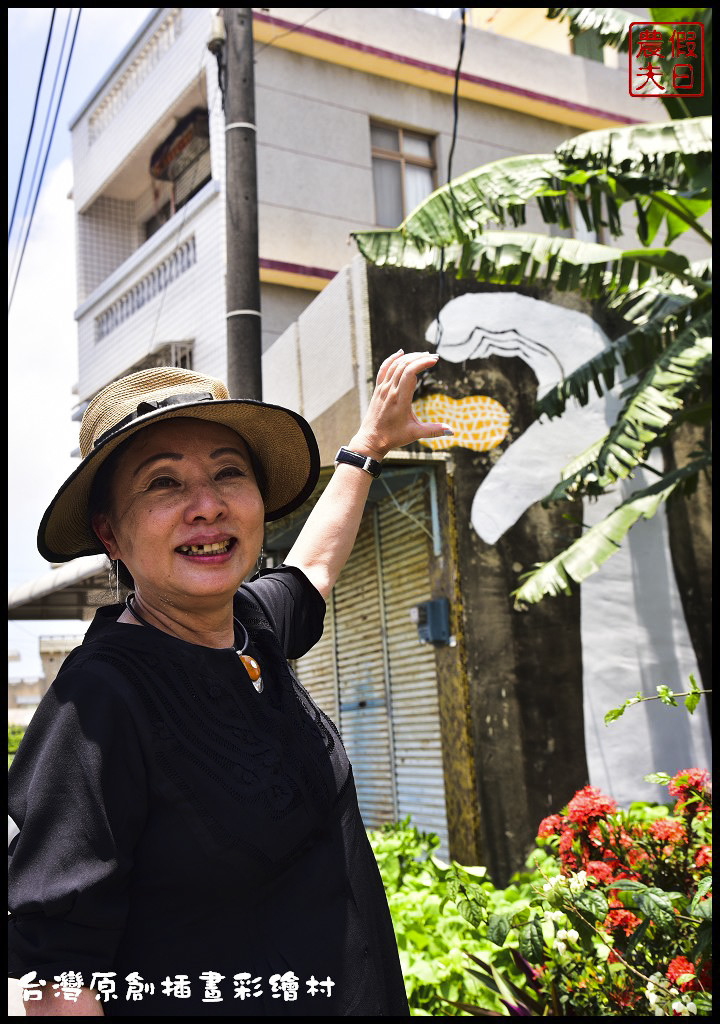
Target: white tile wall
(107,234)
(280,372)
(189,308)
(176,69)
(327,359)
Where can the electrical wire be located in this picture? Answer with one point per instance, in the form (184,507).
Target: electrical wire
(49,147)
(289,31)
(32,122)
(48,113)
(456,95)
(456,118)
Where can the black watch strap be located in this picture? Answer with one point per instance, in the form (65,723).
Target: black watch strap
(371,466)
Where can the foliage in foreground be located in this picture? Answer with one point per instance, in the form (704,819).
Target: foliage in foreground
(433,936)
(15,734)
(613,917)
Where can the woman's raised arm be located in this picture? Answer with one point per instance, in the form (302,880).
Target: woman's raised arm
(326,540)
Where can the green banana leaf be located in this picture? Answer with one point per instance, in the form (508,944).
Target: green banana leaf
(648,412)
(611,24)
(634,351)
(665,296)
(643,151)
(599,171)
(587,554)
(517,258)
(612,28)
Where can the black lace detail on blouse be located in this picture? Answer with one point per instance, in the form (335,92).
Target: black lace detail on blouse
(274,754)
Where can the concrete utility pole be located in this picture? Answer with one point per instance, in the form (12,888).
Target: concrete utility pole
(244,349)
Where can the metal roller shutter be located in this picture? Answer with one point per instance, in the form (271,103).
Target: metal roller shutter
(405,554)
(362,679)
(316,669)
(373,677)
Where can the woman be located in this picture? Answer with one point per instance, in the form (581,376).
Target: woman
(189,837)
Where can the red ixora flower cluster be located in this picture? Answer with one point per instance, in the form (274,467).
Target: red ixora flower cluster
(703,858)
(581,839)
(588,805)
(668,830)
(591,839)
(694,785)
(620,919)
(681,965)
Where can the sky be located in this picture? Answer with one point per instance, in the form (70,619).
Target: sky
(42,335)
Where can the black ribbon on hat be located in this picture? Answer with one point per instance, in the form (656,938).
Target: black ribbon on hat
(147,407)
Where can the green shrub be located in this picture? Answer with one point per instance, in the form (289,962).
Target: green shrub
(433,936)
(621,922)
(613,916)
(15,734)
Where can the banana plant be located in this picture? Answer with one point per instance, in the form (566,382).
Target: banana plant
(473,226)
(611,27)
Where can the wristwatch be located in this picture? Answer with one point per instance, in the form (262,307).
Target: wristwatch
(371,466)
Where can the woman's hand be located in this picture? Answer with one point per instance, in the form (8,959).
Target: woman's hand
(390,421)
(327,538)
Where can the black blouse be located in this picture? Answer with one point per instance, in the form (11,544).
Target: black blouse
(189,846)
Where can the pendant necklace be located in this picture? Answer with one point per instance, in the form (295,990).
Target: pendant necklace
(251,666)
(249,663)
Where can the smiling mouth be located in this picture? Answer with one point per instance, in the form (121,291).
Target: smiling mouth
(216,548)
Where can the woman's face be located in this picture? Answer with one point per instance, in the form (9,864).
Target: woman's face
(186,515)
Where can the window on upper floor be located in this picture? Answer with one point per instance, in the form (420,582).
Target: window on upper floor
(587,44)
(183,161)
(403,165)
(152,224)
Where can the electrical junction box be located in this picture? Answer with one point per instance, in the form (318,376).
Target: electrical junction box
(433,621)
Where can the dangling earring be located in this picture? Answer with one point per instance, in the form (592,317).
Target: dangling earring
(117,584)
(259,563)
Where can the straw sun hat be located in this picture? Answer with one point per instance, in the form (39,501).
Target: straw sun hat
(280,440)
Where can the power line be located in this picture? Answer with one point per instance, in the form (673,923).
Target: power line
(38,157)
(49,147)
(456,113)
(32,122)
(289,32)
(456,94)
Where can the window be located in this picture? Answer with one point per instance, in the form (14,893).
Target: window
(587,44)
(183,160)
(403,172)
(157,220)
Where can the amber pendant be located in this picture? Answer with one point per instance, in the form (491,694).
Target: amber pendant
(253,670)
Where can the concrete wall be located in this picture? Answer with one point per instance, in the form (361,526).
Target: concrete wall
(541,679)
